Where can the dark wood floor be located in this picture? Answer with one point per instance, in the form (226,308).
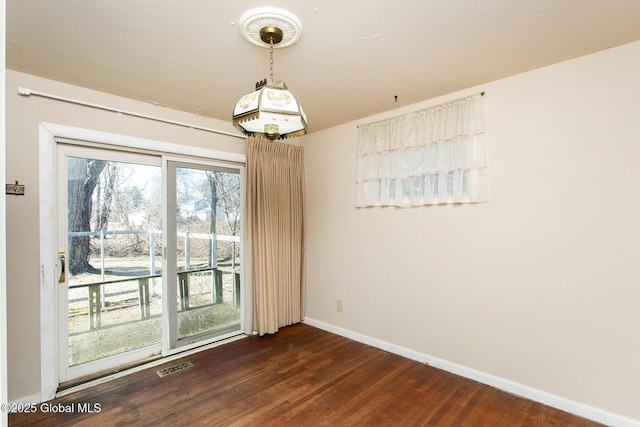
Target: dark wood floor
(301,376)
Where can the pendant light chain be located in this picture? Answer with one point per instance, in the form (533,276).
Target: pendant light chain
(271,59)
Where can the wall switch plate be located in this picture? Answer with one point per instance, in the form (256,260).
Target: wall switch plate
(339,306)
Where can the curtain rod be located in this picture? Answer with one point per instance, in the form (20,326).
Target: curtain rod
(28,92)
(412,112)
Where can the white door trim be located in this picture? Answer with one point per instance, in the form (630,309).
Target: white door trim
(3,223)
(47,204)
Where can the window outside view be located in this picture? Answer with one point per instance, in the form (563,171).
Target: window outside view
(114,259)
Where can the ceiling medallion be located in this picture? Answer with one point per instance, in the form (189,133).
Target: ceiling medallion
(252,21)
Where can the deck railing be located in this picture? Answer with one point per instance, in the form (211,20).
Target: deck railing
(96,294)
(188,236)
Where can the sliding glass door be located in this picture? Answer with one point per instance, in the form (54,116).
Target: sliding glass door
(204,241)
(151,255)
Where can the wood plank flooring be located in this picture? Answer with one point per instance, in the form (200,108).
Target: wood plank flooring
(301,376)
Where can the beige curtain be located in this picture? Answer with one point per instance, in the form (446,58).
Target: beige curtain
(275,234)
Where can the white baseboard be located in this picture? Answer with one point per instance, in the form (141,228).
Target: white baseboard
(549,399)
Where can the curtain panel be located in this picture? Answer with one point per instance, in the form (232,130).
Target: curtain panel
(275,225)
(428,157)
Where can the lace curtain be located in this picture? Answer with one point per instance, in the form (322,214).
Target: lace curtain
(428,157)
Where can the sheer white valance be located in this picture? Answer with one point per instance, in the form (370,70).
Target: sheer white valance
(431,156)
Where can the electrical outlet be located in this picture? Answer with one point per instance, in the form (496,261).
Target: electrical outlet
(339,306)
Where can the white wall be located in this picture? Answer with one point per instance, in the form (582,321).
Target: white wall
(23,264)
(540,286)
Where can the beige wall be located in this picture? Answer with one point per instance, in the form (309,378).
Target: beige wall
(23,116)
(540,286)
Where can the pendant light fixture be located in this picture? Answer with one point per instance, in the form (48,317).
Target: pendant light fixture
(271,110)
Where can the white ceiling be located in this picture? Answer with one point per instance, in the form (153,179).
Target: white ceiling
(353,57)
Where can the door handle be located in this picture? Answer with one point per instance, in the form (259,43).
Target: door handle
(61,258)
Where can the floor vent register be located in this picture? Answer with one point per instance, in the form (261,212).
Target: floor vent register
(173,369)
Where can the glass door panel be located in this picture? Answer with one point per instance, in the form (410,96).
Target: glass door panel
(113,259)
(207,224)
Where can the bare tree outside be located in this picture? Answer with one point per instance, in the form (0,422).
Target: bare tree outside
(83,176)
(224,193)
(104,195)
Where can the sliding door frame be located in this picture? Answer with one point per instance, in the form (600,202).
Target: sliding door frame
(66,372)
(171,343)
(49,267)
